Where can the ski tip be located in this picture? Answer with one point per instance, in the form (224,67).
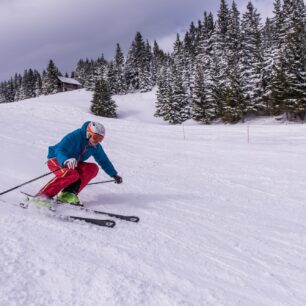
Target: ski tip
(134,219)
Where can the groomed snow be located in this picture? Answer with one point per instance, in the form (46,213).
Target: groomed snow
(222,213)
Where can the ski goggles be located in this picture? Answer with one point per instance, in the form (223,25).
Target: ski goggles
(97,137)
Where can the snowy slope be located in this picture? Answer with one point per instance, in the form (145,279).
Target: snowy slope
(222,220)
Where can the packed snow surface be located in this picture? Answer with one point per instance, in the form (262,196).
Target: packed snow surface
(222,211)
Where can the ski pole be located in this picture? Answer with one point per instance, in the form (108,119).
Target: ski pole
(28,182)
(102,182)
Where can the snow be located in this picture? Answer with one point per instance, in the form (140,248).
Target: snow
(222,218)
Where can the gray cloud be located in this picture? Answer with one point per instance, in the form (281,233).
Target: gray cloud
(33,31)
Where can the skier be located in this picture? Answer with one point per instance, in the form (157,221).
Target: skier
(69,155)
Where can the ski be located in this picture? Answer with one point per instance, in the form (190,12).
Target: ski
(121,217)
(134,219)
(70,218)
(99,222)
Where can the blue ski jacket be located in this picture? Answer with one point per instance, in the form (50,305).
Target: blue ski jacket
(76,145)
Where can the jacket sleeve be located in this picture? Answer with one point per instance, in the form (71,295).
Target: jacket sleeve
(62,149)
(103,161)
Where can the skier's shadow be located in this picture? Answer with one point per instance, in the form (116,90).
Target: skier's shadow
(138,199)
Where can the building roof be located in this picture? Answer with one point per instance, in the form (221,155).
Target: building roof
(69,81)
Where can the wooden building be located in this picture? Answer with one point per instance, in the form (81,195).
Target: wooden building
(67,84)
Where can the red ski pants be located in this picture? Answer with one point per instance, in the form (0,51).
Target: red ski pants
(65,177)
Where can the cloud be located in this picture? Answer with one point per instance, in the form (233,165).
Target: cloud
(33,31)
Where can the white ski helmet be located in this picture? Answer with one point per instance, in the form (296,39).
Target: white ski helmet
(96,128)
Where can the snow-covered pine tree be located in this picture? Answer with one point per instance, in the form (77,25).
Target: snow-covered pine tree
(44,83)
(102,103)
(30,84)
(215,74)
(221,40)
(201,109)
(203,40)
(181,65)
(159,60)
(267,68)
(37,84)
(164,93)
(189,56)
(80,72)
(222,21)
(2,96)
(90,75)
(100,71)
(233,99)
(216,59)
(111,79)
(135,63)
(21,95)
(145,72)
(178,55)
(271,50)
(2,93)
(289,82)
(178,108)
(251,57)
(234,102)
(27,89)
(17,86)
(5,88)
(119,71)
(50,79)
(10,90)
(279,87)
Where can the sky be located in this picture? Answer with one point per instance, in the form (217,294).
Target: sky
(34,31)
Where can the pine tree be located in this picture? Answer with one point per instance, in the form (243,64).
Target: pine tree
(100,71)
(189,56)
(135,66)
(233,98)
(145,73)
(80,74)
(251,57)
(217,59)
(10,92)
(2,97)
(272,45)
(119,71)
(27,89)
(223,21)
(37,84)
(178,108)
(288,84)
(268,59)
(50,79)
(201,109)
(102,104)
(216,79)
(91,72)
(111,79)
(159,59)
(280,86)
(164,93)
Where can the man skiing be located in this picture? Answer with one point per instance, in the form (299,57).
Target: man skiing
(69,155)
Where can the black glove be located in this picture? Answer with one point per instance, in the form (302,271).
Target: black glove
(118,179)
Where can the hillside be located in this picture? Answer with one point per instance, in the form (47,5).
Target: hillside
(222,220)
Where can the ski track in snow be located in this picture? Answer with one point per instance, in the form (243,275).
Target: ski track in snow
(222,222)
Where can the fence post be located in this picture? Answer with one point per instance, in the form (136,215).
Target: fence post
(248,134)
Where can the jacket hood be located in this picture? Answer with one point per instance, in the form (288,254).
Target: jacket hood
(83,128)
